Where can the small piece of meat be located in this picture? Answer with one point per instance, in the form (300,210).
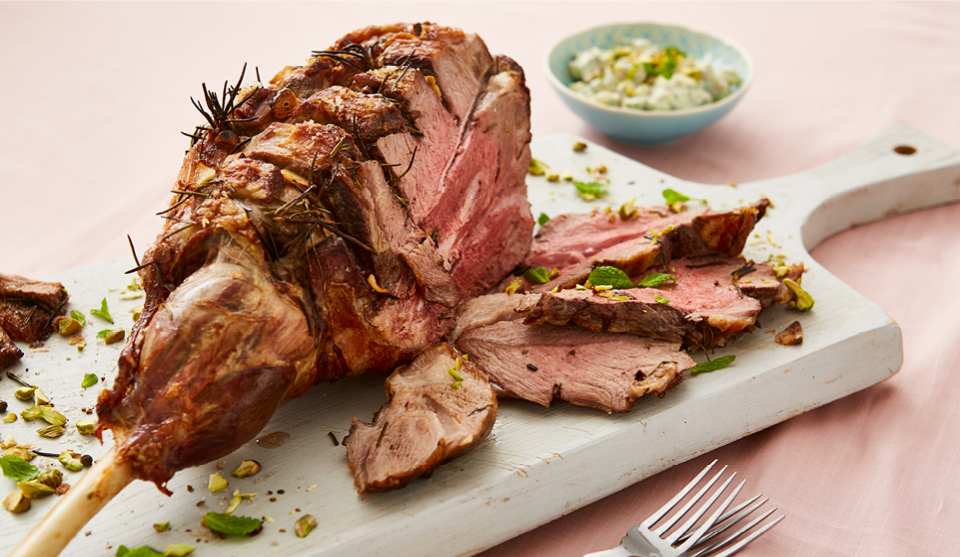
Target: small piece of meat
(431,416)
(9,352)
(792,335)
(706,306)
(29,308)
(543,363)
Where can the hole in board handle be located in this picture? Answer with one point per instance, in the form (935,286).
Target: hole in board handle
(904,150)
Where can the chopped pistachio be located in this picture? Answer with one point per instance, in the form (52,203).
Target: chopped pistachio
(34,489)
(234,503)
(52,478)
(8,442)
(513,286)
(600,169)
(9,418)
(628,210)
(177,550)
(553,177)
(804,300)
(247,468)
(130,295)
(566,176)
(537,168)
(51,431)
(217,482)
(87,426)
(31,413)
(16,502)
(162,526)
(40,397)
(69,326)
(136,313)
(114,336)
(304,525)
(71,461)
(51,416)
(579,147)
(372,281)
(24,393)
(21,451)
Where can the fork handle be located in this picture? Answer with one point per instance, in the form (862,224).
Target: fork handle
(618,551)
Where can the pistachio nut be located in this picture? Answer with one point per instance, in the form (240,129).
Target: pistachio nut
(51,431)
(24,393)
(162,526)
(70,461)
(51,416)
(114,336)
(16,502)
(52,478)
(21,451)
(31,413)
(9,418)
(34,489)
(177,550)
(40,397)
(247,468)
(87,426)
(234,503)
(217,482)
(304,525)
(69,326)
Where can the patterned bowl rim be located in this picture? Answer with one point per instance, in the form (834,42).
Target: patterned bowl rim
(565,90)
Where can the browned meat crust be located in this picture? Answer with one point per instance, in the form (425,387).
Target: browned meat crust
(29,308)
(9,352)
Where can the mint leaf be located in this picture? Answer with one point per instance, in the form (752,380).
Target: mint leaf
(543,219)
(103,312)
(18,469)
(539,275)
(89,380)
(104,333)
(713,365)
(673,196)
(74,314)
(660,299)
(591,190)
(655,279)
(231,525)
(610,276)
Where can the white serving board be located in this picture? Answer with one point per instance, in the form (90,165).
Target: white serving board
(538,464)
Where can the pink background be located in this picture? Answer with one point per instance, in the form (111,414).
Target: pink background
(95,95)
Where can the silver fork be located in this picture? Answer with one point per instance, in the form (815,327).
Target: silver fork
(691,539)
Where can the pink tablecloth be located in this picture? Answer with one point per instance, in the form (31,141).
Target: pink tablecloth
(95,96)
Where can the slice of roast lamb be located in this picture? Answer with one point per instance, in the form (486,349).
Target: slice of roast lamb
(711,301)
(9,352)
(544,363)
(438,407)
(691,233)
(29,308)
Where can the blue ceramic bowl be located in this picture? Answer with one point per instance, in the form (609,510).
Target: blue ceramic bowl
(648,127)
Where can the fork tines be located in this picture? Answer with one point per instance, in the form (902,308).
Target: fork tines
(710,537)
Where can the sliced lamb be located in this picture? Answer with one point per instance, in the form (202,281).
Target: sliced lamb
(9,352)
(438,407)
(29,308)
(712,300)
(688,234)
(543,363)
(489,309)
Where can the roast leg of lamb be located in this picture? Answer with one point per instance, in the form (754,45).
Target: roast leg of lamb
(320,227)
